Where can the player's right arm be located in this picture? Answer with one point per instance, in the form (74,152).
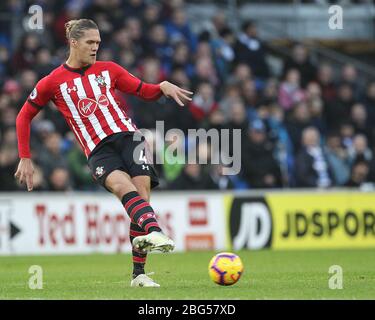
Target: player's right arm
(35,102)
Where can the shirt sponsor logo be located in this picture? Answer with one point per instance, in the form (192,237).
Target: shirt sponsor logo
(87,106)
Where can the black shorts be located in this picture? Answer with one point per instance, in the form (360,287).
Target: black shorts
(116,152)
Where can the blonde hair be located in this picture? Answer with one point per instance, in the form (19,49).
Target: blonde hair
(74,29)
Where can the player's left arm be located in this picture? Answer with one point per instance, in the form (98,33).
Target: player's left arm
(128,83)
(33,105)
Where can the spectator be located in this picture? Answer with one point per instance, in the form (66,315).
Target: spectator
(203,103)
(222,181)
(205,72)
(360,122)
(134,8)
(178,29)
(79,171)
(369,101)
(338,159)
(158,44)
(349,75)
(242,72)
(251,50)
(173,164)
(283,146)
(5,68)
(180,78)
(249,94)
(312,168)
(326,82)
(39,181)
(270,92)
(151,16)
(260,168)
(133,26)
(181,59)
(193,177)
(59,179)
(231,93)
(290,91)
(43,63)
(13,90)
(52,157)
(338,111)
(24,57)
(238,118)
(359,175)
(8,165)
(223,52)
(28,78)
(347,134)
(299,120)
(359,151)
(8,160)
(300,61)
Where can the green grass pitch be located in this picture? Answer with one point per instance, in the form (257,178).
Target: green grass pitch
(267,275)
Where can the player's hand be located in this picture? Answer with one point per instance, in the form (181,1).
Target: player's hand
(172,91)
(25,172)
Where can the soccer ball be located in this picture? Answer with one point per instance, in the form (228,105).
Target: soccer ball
(225,268)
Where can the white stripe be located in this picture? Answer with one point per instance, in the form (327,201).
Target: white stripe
(113,102)
(107,115)
(92,118)
(76,117)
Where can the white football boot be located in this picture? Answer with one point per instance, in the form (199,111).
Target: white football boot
(143,280)
(154,241)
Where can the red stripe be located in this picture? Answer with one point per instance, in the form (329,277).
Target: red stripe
(139,260)
(131,201)
(151,224)
(138,207)
(137,233)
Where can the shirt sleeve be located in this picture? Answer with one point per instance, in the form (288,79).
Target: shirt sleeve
(128,83)
(37,99)
(23,124)
(41,94)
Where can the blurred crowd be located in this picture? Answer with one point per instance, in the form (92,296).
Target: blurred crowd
(310,126)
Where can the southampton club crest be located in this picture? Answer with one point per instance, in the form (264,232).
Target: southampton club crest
(101,81)
(99,171)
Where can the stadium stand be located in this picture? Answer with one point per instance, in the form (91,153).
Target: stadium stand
(311,121)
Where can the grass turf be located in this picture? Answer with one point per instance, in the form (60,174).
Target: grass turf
(267,275)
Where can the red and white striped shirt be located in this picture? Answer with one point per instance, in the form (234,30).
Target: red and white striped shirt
(86,98)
